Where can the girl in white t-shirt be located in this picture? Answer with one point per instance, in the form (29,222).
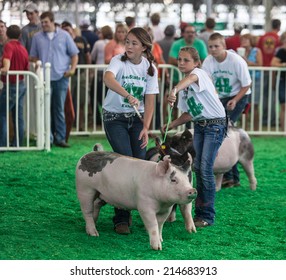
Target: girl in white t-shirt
(200,103)
(132,80)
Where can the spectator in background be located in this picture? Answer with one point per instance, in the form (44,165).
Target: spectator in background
(116,45)
(253,57)
(232,80)
(83,58)
(27,34)
(56,46)
(32,27)
(130,22)
(3,36)
(209,29)
(15,57)
(233,42)
(279,60)
(167,41)
(157,31)
(97,56)
(89,35)
(268,43)
(189,39)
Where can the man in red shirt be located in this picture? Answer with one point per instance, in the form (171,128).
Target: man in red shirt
(15,57)
(233,42)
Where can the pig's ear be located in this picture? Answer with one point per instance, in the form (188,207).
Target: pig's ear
(190,158)
(163,166)
(186,166)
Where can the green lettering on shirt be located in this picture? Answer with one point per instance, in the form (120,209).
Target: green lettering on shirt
(222,85)
(194,108)
(134,91)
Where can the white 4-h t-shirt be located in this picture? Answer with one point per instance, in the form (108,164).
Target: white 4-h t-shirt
(135,79)
(200,99)
(229,75)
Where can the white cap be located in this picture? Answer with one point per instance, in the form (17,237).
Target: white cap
(238,26)
(84,22)
(31,7)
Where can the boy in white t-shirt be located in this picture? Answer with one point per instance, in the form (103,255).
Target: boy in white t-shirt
(232,80)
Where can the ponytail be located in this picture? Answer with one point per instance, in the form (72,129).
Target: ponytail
(150,59)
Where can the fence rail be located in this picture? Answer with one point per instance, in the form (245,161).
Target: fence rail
(35,111)
(264,117)
(261,117)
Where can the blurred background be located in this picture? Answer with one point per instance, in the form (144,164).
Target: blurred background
(255,15)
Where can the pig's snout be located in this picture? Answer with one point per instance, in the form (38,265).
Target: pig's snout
(192,194)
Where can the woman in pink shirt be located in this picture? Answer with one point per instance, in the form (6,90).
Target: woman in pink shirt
(116,45)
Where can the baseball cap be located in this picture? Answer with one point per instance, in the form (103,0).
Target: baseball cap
(31,8)
(84,22)
(238,26)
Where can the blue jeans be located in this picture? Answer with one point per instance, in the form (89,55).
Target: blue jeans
(58,97)
(122,132)
(207,140)
(18,134)
(233,174)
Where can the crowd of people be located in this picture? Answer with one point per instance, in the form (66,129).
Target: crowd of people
(216,86)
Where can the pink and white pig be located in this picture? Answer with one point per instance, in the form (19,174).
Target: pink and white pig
(129,183)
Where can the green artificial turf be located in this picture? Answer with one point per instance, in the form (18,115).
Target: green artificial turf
(41,217)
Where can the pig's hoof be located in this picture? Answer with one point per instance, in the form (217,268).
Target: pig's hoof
(92,232)
(191,229)
(157,246)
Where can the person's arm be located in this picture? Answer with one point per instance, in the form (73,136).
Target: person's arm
(113,84)
(185,82)
(276,62)
(232,103)
(173,61)
(88,58)
(71,71)
(5,66)
(148,114)
(184,118)
(108,52)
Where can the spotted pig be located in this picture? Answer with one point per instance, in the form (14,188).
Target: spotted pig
(129,183)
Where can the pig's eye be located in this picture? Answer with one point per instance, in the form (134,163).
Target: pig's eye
(173,177)
(174,180)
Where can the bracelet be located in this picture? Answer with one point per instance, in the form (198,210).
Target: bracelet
(128,96)
(175,89)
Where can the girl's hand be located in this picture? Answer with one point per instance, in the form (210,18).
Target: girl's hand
(132,100)
(144,137)
(172,99)
(231,105)
(164,127)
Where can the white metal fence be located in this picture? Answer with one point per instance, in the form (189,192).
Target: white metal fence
(88,90)
(261,117)
(36,111)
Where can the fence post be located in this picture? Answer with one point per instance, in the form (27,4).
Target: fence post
(47,106)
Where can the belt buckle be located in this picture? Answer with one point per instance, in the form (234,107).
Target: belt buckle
(128,115)
(202,123)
